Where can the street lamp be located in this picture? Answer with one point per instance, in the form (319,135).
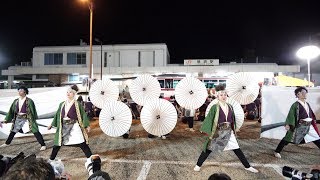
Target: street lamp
(90,5)
(99,41)
(308,53)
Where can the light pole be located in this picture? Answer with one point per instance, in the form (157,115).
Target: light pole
(90,5)
(308,53)
(100,41)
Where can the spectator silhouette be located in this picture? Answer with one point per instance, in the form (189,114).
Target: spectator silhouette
(30,168)
(219,176)
(89,109)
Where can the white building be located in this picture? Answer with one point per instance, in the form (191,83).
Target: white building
(70,64)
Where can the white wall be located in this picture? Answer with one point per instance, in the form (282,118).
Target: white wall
(160,58)
(129,58)
(147,58)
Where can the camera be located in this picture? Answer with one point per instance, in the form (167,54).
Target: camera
(93,164)
(296,174)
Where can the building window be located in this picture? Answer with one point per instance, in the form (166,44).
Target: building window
(161,82)
(76,58)
(42,76)
(73,78)
(223,82)
(139,59)
(53,58)
(210,83)
(105,63)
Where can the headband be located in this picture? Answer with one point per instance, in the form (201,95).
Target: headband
(72,90)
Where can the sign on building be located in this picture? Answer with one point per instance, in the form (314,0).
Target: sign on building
(201,62)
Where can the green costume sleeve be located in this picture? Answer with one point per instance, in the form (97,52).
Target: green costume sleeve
(33,116)
(207,123)
(291,118)
(233,117)
(11,112)
(33,109)
(56,116)
(84,117)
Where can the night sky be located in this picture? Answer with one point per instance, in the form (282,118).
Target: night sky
(227,30)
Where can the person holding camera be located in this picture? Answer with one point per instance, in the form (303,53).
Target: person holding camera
(23,110)
(300,123)
(220,126)
(71,122)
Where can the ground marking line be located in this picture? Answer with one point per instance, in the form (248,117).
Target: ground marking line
(145,170)
(278,169)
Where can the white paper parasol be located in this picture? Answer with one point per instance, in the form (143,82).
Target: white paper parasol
(238,111)
(243,87)
(158,117)
(115,118)
(144,88)
(102,91)
(190,93)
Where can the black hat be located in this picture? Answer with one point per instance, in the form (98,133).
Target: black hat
(24,88)
(299,89)
(220,87)
(75,87)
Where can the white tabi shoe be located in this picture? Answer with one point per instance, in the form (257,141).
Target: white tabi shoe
(4,145)
(43,148)
(197,168)
(192,130)
(251,169)
(277,155)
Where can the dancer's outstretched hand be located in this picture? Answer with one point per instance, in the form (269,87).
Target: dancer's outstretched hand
(287,127)
(1,123)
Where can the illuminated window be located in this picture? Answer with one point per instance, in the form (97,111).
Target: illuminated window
(72,78)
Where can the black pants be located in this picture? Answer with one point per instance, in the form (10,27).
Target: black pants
(85,148)
(36,134)
(190,121)
(204,155)
(283,143)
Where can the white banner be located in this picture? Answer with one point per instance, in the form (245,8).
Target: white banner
(46,100)
(276,103)
(201,62)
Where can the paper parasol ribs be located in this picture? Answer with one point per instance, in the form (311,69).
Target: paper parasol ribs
(190,93)
(144,88)
(243,87)
(115,118)
(102,91)
(158,117)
